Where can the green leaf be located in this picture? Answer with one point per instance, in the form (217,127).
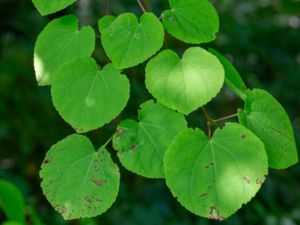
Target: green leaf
(86,97)
(265,117)
(233,79)
(12,202)
(58,43)
(77,181)
(46,7)
(213,178)
(105,22)
(186,84)
(141,145)
(10,223)
(128,42)
(191,21)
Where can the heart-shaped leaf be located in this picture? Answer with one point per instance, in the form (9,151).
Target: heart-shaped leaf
(58,43)
(87,98)
(128,42)
(141,145)
(191,21)
(186,84)
(233,79)
(213,178)
(265,117)
(46,7)
(77,181)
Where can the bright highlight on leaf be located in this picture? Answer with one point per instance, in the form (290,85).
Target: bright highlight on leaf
(128,42)
(191,21)
(77,181)
(233,79)
(141,145)
(86,97)
(213,178)
(184,84)
(58,43)
(265,117)
(46,7)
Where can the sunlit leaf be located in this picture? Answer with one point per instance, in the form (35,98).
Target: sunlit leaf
(191,21)
(129,42)
(233,79)
(86,97)
(58,43)
(141,145)
(213,178)
(78,181)
(265,117)
(184,84)
(46,7)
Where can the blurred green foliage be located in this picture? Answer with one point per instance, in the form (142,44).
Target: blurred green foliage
(260,37)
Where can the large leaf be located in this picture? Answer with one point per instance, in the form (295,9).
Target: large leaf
(191,21)
(12,202)
(46,7)
(213,178)
(128,42)
(265,117)
(86,97)
(141,145)
(186,84)
(233,79)
(77,181)
(58,43)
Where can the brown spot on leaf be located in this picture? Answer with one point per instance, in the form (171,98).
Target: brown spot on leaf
(133,148)
(214,214)
(203,195)
(259,181)
(88,199)
(246,179)
(243,136)
(46,161)
(208,165)
(119,132)
(98,182)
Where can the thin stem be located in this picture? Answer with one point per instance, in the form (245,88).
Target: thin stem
(141,5)
(206,114)
(107,7)
(208,122)
(224,118)
(109,140)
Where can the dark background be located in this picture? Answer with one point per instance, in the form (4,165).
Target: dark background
(261,37)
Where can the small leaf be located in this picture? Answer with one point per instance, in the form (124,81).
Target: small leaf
(105,22)
(191,21)
(87,98)
(12,202)
(46,7)
(141,145)
(233,79)
(213,178)
(77,181)
(265,117)
(58,43)
(128,42)
(187,84)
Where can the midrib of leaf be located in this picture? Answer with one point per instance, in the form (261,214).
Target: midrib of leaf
(85,176)
(67,169)
(127,47)
(152,141)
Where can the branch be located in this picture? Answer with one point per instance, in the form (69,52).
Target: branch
(107,7)
(141,5)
